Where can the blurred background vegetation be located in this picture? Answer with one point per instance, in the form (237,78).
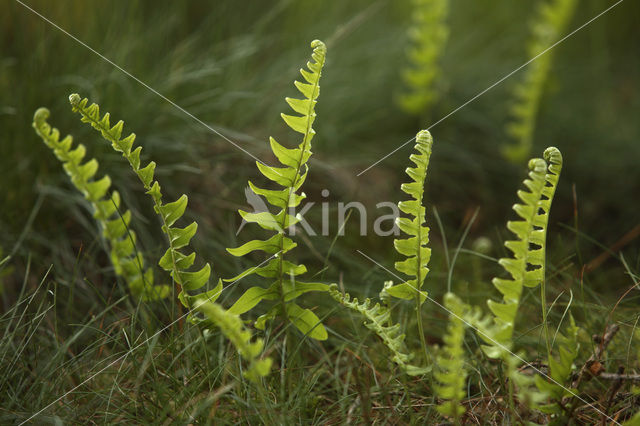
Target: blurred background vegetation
(232,64)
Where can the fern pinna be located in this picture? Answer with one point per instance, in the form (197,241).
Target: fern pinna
(415,246)
(175,260)
(428,34)
(547,28)
(282,273)
(127,261)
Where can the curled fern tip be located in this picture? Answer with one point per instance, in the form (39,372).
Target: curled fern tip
(40,115)
(74,99)
(318,44)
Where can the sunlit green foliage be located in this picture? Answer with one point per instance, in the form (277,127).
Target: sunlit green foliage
(282,274)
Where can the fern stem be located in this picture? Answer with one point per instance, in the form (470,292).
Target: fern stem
(423,341)
(419,278)
(543,304)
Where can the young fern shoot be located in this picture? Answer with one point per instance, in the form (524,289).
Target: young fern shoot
(547,28)
(175,260)
(126,260)
(428,34)
(285,287)
(415,246)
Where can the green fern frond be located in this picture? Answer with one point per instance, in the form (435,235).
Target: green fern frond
(549,25)
(378,319)
(127,261)
(450,370)
(527,266)
(428,35)
(176,261)
(285,286)
(415,247)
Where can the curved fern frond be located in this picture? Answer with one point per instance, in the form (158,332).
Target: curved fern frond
(415,246)
(428,35)
(549,25)
(127,261)
(450,370)
(175,260)
(527,266)
(517,266)
(285,285)
(378,319)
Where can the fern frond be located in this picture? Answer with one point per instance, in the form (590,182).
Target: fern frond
(285,285)
(428,35)
(450,370)
(176,260)
(523,255)
(127,261)
(378,319)
(527,266)
(415,247)
(549,25)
